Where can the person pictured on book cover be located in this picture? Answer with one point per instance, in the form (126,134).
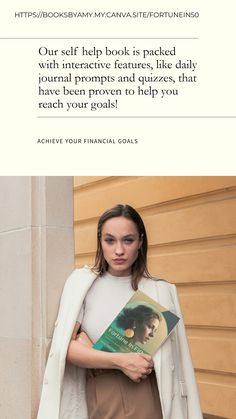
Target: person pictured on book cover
(139,323)
(81,382)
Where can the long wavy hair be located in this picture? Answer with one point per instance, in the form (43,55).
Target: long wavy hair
(139,267)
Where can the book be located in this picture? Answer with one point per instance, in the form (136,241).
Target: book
(141,326)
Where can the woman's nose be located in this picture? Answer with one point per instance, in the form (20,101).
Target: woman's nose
(119,249)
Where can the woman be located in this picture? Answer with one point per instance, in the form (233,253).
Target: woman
(118,385)
(139,323)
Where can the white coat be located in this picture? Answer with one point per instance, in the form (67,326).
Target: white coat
(63,393)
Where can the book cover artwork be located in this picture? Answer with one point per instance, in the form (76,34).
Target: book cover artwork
(141,326)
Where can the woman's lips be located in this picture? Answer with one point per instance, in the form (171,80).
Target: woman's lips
(119,260)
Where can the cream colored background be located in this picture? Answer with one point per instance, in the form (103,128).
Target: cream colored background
(170,146)
(191,227)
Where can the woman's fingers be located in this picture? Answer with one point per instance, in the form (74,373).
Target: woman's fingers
(149,360)
(136,366)
(143,377)
(146,373)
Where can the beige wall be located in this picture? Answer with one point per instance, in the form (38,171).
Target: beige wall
(36,242)
(191,225)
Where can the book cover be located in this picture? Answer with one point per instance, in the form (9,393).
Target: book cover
(141,326)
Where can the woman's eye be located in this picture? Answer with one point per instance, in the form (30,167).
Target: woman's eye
(129,241)
(109,241)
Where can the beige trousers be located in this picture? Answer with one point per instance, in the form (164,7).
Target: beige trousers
(114,396)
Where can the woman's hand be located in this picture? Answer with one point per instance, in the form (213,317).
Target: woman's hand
(136,366)
(80,353)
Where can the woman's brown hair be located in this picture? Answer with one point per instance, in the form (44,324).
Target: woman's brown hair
(139,267)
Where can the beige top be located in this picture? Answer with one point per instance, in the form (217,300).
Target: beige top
(104,300)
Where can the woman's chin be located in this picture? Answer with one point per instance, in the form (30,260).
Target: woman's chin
(119,270)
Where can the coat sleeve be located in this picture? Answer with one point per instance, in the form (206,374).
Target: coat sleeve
(188,376)
(51,390)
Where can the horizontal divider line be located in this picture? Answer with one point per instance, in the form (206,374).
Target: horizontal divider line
(100,38)
(142,116)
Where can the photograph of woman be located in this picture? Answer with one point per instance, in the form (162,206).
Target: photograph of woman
(139,323)
(83,383)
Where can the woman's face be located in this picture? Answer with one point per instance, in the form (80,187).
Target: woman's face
(120,242)
(146,330)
